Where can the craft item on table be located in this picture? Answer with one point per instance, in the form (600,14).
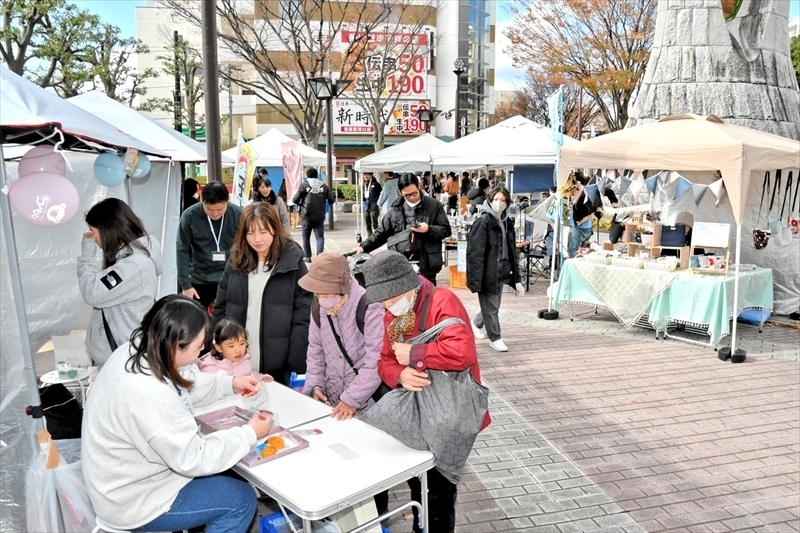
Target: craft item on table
(307,432)
(598,258)
(627,262)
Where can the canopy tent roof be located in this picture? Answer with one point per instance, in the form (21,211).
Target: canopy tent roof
(687,142)
(268,150)
(409,156)
(514,141)
(178,147)
(30,114)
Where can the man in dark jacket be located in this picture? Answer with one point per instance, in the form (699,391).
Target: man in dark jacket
(477,195)
(372,191)
(205,235)
(311,198)
(424,217)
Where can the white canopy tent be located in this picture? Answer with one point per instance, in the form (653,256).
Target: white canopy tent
(514,141)
(409,156)
(695,144)
(268,150)
(30,115)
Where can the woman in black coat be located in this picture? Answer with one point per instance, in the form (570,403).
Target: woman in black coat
(492,263)
(259,290)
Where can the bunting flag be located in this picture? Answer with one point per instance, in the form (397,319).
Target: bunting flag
(683,186)
(673,177)
(602,185)
(652,183)
(637,174)
(627,172)
(610,174)
(598,174)
(636,189)
(598,200)
(662,176)
(624,183)
(699,191)
(644,174)
(718,188)
(590,191)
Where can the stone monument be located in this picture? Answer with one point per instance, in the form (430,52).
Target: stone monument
(729,58)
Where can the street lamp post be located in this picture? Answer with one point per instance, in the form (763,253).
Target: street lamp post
(459,66)
(427,116)
(325,89)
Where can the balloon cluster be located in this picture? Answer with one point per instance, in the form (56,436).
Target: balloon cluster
(109,169)
(42,195)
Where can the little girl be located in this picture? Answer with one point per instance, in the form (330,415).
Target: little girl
(229,352)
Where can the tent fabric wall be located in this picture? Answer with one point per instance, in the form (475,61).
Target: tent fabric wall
(19,449)
(53,302)
(533,178)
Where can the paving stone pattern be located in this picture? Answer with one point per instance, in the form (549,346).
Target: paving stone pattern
(601,428)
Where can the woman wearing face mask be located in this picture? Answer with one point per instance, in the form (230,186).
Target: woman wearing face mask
(335,319)
(491,263)
(264,193)
(391,280)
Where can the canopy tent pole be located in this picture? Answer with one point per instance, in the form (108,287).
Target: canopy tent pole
(735,355)
(164,221)
(16,286)
(360,206)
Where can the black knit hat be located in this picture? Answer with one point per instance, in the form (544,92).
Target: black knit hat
(388,274)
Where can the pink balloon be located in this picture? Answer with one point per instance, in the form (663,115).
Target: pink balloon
(42,159)
(44,199)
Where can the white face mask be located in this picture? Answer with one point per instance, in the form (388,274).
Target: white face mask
(400,307)
(415,204)
(498,206)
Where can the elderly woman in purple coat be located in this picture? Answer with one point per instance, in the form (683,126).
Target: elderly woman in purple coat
(344,338)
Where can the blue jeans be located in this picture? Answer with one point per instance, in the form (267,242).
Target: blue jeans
(319,233)
(577,236)
(223,503)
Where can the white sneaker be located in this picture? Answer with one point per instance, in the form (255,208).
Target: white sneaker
(498,345)
(479,333)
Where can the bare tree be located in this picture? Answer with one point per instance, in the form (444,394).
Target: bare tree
(188,62)
(291,41)
(601,45)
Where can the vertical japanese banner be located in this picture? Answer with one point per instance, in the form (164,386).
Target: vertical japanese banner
(245,167)
(555,108)
(292,167)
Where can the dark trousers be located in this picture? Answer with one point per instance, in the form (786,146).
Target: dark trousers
(452,202)
(441,503)
(319,233)
(430,276)
(488,315)
(370,222)
(207,293)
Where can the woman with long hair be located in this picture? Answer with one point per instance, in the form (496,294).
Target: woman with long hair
(123,288)
(259,290)
(263,193)
(145,464)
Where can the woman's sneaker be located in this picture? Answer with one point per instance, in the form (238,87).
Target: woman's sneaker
(478,332)
(498,345)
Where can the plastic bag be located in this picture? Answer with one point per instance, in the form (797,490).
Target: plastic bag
(59,493)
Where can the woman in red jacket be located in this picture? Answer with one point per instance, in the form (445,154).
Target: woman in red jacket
(391,280)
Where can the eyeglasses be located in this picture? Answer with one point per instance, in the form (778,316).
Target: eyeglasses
(411,195)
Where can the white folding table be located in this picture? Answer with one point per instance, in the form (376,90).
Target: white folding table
(347,463)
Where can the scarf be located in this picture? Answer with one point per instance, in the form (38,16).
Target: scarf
(402,326)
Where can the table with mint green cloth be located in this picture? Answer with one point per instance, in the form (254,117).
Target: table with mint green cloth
(704,301)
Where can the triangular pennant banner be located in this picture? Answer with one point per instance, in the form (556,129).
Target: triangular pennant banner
(636,189)
(598,200)
(628,173)
(672,177)
(602,185)
(624,183)
(699,191)
(718,188)
(644,174)
(662,176)
(652,183)
(683,186)
(590,190)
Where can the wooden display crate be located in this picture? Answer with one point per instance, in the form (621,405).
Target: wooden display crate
(458,280)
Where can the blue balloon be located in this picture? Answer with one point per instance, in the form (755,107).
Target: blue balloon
(142,167)
(109,169)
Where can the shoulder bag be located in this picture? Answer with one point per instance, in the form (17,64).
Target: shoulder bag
(761,236)
(773,222)
(783,235)
(382,389)
(109,336)
(402,242)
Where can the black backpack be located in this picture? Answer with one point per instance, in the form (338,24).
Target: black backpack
(314,203)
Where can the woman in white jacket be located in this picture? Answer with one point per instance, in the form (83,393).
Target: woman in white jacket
(125,287)
(146,466)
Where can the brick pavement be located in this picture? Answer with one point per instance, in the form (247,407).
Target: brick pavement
(599,428)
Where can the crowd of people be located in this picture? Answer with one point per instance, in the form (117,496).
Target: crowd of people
(252,306)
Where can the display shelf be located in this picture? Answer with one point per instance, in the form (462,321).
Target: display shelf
(652,249)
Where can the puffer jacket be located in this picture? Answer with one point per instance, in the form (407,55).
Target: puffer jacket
(285,312)
(429,211)
(484,253)
(476,196)
(124,292)
(327,368)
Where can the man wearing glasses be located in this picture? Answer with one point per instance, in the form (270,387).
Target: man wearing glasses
(425,221)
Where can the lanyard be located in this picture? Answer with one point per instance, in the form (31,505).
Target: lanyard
(210,225)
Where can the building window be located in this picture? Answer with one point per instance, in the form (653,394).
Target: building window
(290,9)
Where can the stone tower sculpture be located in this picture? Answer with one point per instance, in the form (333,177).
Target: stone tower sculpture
(729,58)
